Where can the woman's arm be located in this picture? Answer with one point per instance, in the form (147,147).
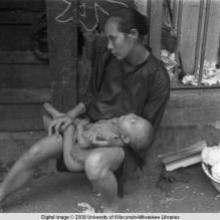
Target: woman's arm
(62,121)
(76,111)
(52,111)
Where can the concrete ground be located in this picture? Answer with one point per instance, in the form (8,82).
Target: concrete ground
(186,190)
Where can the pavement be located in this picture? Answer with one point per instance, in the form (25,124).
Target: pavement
(66,193)
(186,190)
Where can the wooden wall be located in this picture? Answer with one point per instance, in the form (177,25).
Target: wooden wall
(24,79)
(17,61)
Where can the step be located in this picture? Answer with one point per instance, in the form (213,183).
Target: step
(24,76)
(21,109)
(192,107)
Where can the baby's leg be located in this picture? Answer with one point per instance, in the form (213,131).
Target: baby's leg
(71,152)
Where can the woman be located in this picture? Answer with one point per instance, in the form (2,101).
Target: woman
(126,78)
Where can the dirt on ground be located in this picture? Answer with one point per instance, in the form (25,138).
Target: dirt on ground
(185,190)
(63,192)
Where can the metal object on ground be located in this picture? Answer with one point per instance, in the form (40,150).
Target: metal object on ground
(215,182)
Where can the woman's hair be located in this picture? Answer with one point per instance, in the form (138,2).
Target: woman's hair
(129,18)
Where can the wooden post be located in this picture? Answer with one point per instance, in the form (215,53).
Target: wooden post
(188,32)
(213,32)
(62,39)
(204,40)
(156,9)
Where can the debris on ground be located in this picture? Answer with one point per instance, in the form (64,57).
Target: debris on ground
(167,200)
(167,178)
(173,164)
(185,157)
(86,207)
(217,197)
(39,172)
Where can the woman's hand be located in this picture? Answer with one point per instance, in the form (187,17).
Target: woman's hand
(59,124)
(61,121)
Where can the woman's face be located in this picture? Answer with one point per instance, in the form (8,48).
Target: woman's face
(120,44)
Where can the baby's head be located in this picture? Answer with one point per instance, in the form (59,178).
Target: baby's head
(135,131)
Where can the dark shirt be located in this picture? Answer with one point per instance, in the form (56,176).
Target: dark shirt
(112,92)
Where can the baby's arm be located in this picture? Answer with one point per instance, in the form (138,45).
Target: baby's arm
(68,145)
(102,142)
(83,140)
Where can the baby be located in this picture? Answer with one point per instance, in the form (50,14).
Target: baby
(128,129)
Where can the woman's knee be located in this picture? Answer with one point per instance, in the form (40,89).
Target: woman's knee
(95,166)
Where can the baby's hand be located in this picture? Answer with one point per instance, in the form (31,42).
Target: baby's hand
(100,142)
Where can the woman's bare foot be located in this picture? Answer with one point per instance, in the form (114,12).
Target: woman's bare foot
(113,207)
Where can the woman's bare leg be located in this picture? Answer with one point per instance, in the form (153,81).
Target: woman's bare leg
(23,170)
(100,166)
